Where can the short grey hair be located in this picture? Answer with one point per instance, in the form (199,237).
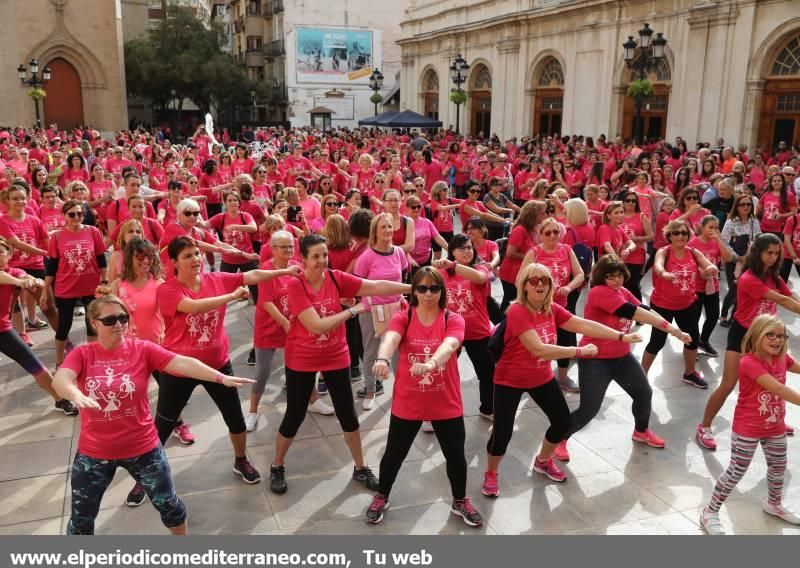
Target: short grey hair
(282,235)
(187,203)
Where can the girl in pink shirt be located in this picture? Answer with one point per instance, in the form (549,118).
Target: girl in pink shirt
(758,420)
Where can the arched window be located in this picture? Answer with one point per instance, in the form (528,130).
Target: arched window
(481,101)
(779,120)
(787,62)
(430,94)
(548,105)
(552,74)
(483,79)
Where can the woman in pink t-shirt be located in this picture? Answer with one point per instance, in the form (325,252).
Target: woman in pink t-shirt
(776,205)
(688,209)
(427,387)
(758,420)
(108,381)
(316,344)
(611,239)
(520,241)
(638,228)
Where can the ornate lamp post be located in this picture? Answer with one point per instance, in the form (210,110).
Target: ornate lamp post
(640,57)
(254,113)
(376,84)
(458,73)
(35,83)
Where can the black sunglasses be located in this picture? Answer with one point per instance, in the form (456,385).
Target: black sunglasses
(192,213)
(631,200)
(415,207)
(111,321)
(433,288)
(679,233)
(74,214)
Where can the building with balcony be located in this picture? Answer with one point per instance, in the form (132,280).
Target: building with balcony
(731,67)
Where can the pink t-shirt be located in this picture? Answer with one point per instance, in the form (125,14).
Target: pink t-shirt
(486,251)
(792,228)
(614,235)
(6,296)
(238,239)
(267,333)
(146,321)
(442,219)
(468,300)
(78,272)
(771,204)
(711,251)
(760,413)
(585,234)
(520,238)
(424,233)
(374,265)
(600,306)
(30,231)
(306,351)
(117,380)
(242,166)
(434,396)
(680,294)
(202,335)
(632,227)
(464,214)
(659,240)
(118,211)
(750,301)
(560,266)
(695,221)
(53,219)
(645,203)
(311,209)
(171,232)
(518,367)
(153,230)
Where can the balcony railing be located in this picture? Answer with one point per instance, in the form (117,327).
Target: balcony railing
(272,7)
(274,49)
(279,94)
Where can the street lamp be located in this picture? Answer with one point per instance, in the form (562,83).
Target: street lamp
(458,73)
(640,57)
(34,82)
(376,83)
(254,111)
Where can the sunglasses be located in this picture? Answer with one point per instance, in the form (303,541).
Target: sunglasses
(419,185)
(261,172)
(74,214)
(111,321)
(550,233)
(631,200)
(615,276)
(415,207)
(772,336)
(746,204)
(680,233)
(692,198)
(192,213)
(433,289)
(474,191)
(331,204)
(379,181)
(538,280)
(409,191)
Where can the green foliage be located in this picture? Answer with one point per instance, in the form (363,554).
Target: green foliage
(640,88)
(37,94)
(375,98)
(458,96)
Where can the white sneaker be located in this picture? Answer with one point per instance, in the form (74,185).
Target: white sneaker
(79,311)
(320,407)
(782,512)
(368,403)
(711,523)
(427,427)
(250,421)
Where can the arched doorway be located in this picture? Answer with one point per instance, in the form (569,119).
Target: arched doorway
(780,103)
(654,109)
(481,103)
(430,94)
(63,104)
(549,102)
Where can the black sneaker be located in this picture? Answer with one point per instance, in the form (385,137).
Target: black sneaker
(362,392)
(379,505)
(464,509)
(66,407)
(695,380)
(706,348)
(724,322)
(355,374)
(136,497)
(249,474)
(277,479)
(364,475)
(251,358)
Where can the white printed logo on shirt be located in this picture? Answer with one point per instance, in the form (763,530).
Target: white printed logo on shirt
(767,307)
(426,382)
(234,238)
(459,299)
(685,281)
(79,255)
(109,389)
(203,327)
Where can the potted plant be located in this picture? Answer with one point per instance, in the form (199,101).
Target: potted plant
(37,93)
(375,98)
(458,97)
(640,88)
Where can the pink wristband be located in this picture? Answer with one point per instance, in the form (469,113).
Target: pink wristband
(220,378)
(664,325)
(578,353)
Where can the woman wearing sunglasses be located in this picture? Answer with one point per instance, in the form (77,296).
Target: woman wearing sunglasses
(522,238)
(739,231)
(425,235)
(676,271)
(532,322)
(689,209)
(76,262)
(776,205)
(108,380)
(639,230)
(427,388)
(329,206)
(472,207)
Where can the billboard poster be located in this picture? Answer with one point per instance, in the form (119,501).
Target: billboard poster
(328,55)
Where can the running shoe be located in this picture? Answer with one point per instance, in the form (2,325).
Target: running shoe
(250,421)
(277,479)
(561,452)
(705,438)
(26,338)
(568,385)
(319,407)
(66,407)
(182,432)
(550,469)
(427,427)
(487,415)
(136,497)
(464,509)
(377,508)
(249,474)
(648,437)
(781,512)
(490,487)
(695,379)
(355,374)
(364,475)
(362,392)
(322,387)
(368,403)
(251,358)
(35,325)
(724,322)
(706,348)
(711,523)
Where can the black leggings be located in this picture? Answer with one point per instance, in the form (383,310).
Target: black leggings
(633,284)
(478,352)
(299,385)
(786,269)
(66,308)
(354,345)
(174,392)
(709,303)
(506,401)
(451,435)
(566,338)
(729,302)
(686,320)
(509,294)
(247,266)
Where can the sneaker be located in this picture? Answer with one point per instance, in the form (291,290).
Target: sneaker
(490,487)
(66,407)
(377,508)
(250,421)
(464,509)
(568,385)
(277,479)
(695,379)
(322,387)
(724,322)
(251,358)
(319,407)
(781,512)
(26,338)
(368,403)
(362,392)
(648,437)
(706,348)
(355,374)
(364,475)
(183,434)
(79,311)
(249,474)
(35,325)
(561,452)
(427,427)
(705,438)
(550,469)
(136,497)
(789,430)
(487,415)
(711,523)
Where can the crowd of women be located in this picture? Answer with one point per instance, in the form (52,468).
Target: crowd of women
(369,257)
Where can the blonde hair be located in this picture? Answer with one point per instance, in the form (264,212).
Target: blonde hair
(367,157)
(123,231)
(337,232)
(540,189)
(97,305)
(576,211)
(438,186)
(762,325)
(373,226)
(274,221)
(525,273)
(674,225)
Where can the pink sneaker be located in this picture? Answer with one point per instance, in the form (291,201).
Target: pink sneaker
(183,433)
(550,469)
(561,452)
(26,338)
(705,438)
(789,430)
(648,437)
(490,488)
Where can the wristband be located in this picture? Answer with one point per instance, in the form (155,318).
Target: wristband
(352,311)
(219,378)
(578,353)
(664,325)
(621,335)
(382,359)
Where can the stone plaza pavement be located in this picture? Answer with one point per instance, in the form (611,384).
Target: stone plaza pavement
(614,485)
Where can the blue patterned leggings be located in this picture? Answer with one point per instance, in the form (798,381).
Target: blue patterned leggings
(91,477)
(742,451)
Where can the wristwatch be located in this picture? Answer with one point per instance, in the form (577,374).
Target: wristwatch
(352,311)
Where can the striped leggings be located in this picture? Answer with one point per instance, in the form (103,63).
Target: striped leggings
(742,451)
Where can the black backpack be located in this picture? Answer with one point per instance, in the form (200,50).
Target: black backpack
(502,247)
(583,253)
(497,342)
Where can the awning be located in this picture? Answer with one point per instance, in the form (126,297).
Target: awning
(391,94)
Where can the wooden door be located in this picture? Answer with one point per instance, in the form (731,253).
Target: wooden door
(63,104)
(654,114)
(481,113)
(780,113)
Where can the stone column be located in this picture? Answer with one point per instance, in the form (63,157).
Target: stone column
(506,100)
